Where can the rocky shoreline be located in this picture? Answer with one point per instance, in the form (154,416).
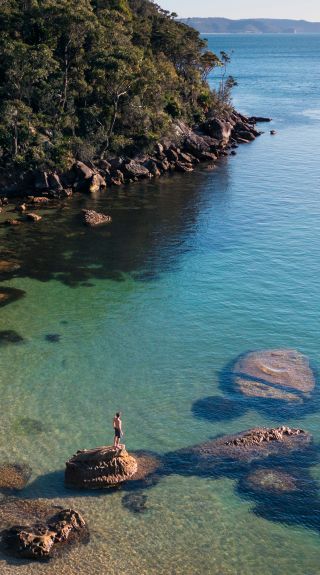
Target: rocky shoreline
(181,152)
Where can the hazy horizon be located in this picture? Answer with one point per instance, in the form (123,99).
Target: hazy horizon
(247,9)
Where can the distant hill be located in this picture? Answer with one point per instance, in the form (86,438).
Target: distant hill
(253,26)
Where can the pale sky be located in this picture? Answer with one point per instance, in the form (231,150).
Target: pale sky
(295,9)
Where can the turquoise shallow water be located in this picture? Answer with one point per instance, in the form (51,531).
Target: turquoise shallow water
(194,271)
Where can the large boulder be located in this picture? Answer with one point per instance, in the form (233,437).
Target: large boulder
(282,374)
(95,183)
(82,171)
(84,179)
(218,129)
(92,218)
(42,539)
(152,167)
(134,170)
(196,145)
(99,468)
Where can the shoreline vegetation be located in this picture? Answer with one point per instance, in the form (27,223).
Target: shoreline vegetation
(180,153)
(100,93)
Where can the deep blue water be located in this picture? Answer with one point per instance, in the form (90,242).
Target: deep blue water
(194,271)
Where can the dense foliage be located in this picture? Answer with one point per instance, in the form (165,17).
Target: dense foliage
(86,78)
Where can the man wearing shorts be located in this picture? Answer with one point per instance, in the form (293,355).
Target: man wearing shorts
(117,426)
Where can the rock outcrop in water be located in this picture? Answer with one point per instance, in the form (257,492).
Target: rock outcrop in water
(282,374)
(99,468)
(92,218)
(225,454)
(41,540)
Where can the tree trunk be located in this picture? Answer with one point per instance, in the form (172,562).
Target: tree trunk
(66,76)
(106,142)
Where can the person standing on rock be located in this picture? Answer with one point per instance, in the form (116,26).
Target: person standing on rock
(117,426)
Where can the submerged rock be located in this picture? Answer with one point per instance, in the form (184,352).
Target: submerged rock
(14,511)
(12,222)
(92,218)
(33,217)
(9,295)
(135,502)
(283,374)
(53,337)
(29,426)
(99,468)
(217,408)
(14,476)
(149,467)
(8,336)
(41,540)
(271,480)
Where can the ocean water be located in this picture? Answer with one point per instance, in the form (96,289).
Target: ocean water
(194,271)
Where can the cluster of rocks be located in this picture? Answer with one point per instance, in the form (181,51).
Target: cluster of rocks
(42,540)
(261,435)
(38,531)
(180,152)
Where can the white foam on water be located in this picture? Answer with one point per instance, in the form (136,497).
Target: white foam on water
(313,113)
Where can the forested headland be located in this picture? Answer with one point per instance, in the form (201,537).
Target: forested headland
(85,79)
